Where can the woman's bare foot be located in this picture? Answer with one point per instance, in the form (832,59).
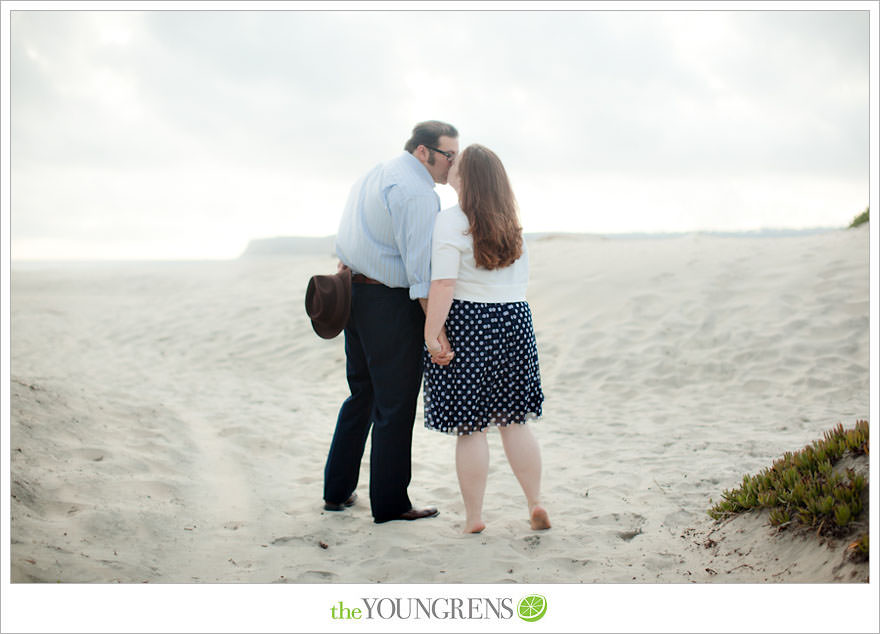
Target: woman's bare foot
(538,518)
(476,527)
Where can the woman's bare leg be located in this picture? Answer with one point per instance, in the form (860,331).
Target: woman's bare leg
(472,466)
(524,456)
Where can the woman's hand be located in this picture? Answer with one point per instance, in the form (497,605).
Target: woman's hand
(440,350)
(439,301)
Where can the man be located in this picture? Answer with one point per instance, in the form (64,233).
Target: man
(384,237)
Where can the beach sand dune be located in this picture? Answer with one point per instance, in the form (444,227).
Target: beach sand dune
(170,421)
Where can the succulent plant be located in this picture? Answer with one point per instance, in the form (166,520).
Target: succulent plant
(803,485)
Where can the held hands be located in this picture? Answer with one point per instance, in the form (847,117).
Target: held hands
(440,297)
(440,350)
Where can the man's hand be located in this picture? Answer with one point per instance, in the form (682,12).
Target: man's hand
(440,350)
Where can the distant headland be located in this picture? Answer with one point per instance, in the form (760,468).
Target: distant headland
(325,245)
(290,246)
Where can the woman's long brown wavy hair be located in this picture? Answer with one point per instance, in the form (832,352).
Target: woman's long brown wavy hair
(487,200)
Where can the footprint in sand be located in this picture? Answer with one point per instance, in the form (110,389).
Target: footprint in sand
(316,576)
(90,453)
(532,541)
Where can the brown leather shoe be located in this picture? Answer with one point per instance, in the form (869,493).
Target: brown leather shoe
(333,506)
(413,514)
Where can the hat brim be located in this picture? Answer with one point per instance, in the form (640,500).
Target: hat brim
(331,329)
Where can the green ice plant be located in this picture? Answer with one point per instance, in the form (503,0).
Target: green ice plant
(861,219)
(802,487)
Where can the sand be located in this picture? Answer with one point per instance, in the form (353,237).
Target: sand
(170,421)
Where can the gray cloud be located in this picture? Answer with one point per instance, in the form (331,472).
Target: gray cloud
(276,102)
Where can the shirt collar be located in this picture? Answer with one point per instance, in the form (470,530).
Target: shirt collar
(419,169)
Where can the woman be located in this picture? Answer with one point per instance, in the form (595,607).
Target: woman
(479,275)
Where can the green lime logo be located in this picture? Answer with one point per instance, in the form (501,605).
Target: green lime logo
(532,608)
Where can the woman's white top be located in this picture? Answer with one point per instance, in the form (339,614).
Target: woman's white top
(452,257)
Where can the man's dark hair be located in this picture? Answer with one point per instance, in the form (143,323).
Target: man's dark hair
(429,133)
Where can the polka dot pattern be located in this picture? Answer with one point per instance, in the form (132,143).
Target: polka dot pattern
(494,377)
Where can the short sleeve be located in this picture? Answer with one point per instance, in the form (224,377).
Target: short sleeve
(448,242)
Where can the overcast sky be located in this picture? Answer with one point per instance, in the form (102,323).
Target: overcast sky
(184,134)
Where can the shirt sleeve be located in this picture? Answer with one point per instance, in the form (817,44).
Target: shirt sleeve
(446,249)
(412,220)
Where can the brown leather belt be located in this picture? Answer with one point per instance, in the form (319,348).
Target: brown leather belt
(359,278)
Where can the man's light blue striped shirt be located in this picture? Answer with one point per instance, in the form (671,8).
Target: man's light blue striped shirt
(386,228)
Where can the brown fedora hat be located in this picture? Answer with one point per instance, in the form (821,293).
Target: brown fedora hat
(328,302)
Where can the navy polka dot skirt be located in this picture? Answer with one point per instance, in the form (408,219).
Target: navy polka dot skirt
(493,379)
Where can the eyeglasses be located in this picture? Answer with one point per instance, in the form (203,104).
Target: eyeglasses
(450,156)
